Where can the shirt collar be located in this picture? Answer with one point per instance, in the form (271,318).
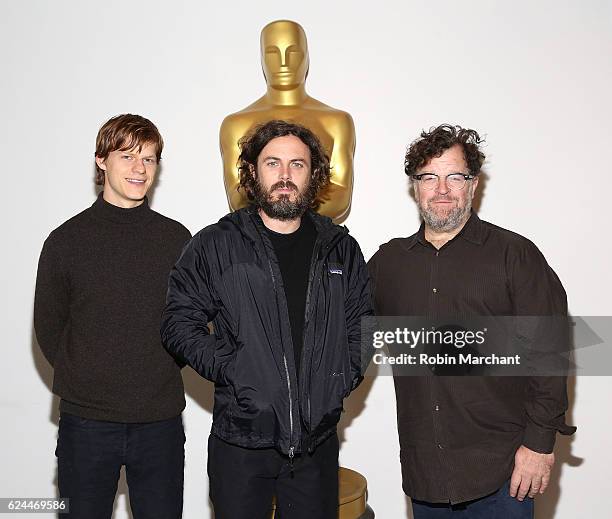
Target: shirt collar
(473,231)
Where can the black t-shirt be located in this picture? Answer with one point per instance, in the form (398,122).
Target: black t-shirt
(294,253)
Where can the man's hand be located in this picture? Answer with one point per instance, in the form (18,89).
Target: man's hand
(531,473)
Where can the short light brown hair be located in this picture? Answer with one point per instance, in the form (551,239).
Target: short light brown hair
(126,132)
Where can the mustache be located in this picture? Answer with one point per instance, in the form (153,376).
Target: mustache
(283,184)
(443,199)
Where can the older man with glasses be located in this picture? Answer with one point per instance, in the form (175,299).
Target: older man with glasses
(471,446)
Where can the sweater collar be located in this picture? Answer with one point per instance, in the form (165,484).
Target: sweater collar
(106,211)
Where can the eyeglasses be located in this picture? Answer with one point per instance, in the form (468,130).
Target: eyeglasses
(454,181)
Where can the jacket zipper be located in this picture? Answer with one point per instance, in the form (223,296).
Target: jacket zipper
(313,267)
(290,402)
(291,447)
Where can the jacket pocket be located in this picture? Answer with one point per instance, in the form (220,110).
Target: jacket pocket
(341,381)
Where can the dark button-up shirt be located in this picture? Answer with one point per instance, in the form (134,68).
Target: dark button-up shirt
(458,435)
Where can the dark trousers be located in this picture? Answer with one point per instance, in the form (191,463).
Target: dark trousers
(90,454)
(498,505)
(243,482)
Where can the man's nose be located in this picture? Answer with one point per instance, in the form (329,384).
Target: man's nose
(442,186)
(285,172)
(139,166)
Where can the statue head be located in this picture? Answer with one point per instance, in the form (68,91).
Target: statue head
(284,54)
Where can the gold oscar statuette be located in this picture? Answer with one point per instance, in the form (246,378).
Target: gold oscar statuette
(284,56)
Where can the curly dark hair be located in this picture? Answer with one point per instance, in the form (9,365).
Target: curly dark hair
(435,142)
(257,139)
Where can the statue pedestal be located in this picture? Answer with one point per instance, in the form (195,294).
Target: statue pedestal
(352,496)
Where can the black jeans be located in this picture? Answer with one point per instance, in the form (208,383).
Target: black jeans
(90,454)
(243,482)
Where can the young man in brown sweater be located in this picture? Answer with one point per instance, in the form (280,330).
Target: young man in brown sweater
(100,291)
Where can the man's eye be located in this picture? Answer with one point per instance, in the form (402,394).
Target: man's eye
(271,163)
(298,165)
(150,161)
(126,157)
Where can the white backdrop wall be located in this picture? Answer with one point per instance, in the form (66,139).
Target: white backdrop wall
(534,77)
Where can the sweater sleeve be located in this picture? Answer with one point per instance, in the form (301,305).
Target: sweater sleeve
(51,300)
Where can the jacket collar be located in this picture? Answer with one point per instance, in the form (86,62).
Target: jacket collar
(250,224)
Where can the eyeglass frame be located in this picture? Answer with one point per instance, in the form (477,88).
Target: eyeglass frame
(466,177)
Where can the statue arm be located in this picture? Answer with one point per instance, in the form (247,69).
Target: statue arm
(228,137)
(338,204)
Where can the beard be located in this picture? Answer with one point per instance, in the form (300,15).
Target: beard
(282,207)
(446,221)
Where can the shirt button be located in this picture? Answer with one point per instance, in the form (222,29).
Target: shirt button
(437,408)
(435,290)
(440,446)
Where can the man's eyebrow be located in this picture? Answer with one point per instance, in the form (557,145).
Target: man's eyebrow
(135,154)
(270,157)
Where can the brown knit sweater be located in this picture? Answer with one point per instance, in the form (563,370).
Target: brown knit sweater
(100,291)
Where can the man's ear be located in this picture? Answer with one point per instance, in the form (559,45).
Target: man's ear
(474,184)
(100,163)
(413,187)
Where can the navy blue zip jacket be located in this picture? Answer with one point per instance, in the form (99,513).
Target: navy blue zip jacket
(228,275)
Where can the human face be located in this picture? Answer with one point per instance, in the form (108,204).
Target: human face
(128,175)
(283,178)
(444,210)
(284,54)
